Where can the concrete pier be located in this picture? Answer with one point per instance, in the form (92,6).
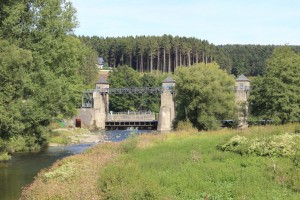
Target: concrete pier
(167,106)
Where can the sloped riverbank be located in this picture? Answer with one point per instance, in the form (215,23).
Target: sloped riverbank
(179,165)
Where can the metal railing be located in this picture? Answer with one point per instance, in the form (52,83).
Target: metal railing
(133,90)
(131,116)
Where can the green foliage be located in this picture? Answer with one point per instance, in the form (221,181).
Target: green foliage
(62,173)
(4,156)
(60,140)
(248,59)
(204,95)
(184,126)
(128,145)
(125,76)
(121,77)
(43,68)
(277,145)
(116,179)
(157,53)
(276,95)
(190,167)
(19,143)
(297,129)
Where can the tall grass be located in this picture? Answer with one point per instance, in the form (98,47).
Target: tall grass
(178,165)
(189,166)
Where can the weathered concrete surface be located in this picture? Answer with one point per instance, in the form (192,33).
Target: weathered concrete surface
(100,109)
(166,112)
(87,116)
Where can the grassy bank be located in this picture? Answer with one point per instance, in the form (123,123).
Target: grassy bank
(180,165)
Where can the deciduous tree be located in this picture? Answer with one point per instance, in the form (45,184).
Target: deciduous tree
(204,95)
(276,95)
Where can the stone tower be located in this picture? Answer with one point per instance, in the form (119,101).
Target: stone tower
(101,103)
(167,106)
(242,88)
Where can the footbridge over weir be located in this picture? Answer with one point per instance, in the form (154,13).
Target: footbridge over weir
(95,108)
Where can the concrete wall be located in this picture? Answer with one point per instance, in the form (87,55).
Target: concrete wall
(100,109)
(87,117)
(166,112)
(241,100)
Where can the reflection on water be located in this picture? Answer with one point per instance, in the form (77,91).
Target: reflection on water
(21,169)
(24,166)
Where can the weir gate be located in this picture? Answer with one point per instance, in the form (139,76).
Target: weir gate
(95,108)
(145,120)
(95,111)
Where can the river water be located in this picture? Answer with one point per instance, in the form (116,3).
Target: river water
(22,168)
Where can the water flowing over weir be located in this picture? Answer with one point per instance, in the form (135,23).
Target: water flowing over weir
(21,170)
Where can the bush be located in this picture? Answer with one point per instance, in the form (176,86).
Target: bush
(276,145)
(20,143)
(16,143)
(60,140)
(128,145)
(185,126)
(4,156)
(64,172)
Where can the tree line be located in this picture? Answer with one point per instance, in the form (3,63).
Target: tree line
(165,53)
(162,53)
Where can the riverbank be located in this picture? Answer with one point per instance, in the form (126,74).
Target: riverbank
(67,136)
(178,165)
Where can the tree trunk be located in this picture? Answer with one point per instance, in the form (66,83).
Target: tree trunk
(176,58)
(197,57)
(142,63)
(189,58)
(151,62)
(169,64)
(180,58)
(164,67)
(130,60)
(137,63)
(158,60)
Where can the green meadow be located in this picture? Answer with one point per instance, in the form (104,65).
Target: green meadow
(183,165)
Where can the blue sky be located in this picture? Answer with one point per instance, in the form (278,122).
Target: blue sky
(218,21)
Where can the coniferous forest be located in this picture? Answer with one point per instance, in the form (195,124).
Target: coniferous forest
(165,53)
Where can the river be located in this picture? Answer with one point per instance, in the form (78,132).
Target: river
(22,168)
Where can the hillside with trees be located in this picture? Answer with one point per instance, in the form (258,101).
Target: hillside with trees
(165,53)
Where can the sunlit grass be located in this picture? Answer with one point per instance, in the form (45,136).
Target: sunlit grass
(177,165)
(187,165)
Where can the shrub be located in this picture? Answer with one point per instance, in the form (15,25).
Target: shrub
(276,145)
(128,145)
(64,172)
(4,156)
(60,140)
(16,143)
(185,126)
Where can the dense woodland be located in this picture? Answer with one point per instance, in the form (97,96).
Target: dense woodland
(43,70)
(165,53)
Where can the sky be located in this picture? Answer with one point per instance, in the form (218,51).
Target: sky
(217,21)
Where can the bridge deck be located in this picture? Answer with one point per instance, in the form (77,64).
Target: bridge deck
(141,125)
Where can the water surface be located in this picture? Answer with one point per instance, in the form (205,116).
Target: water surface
(22,168)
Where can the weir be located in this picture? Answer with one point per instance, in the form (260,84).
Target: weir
(95,108)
